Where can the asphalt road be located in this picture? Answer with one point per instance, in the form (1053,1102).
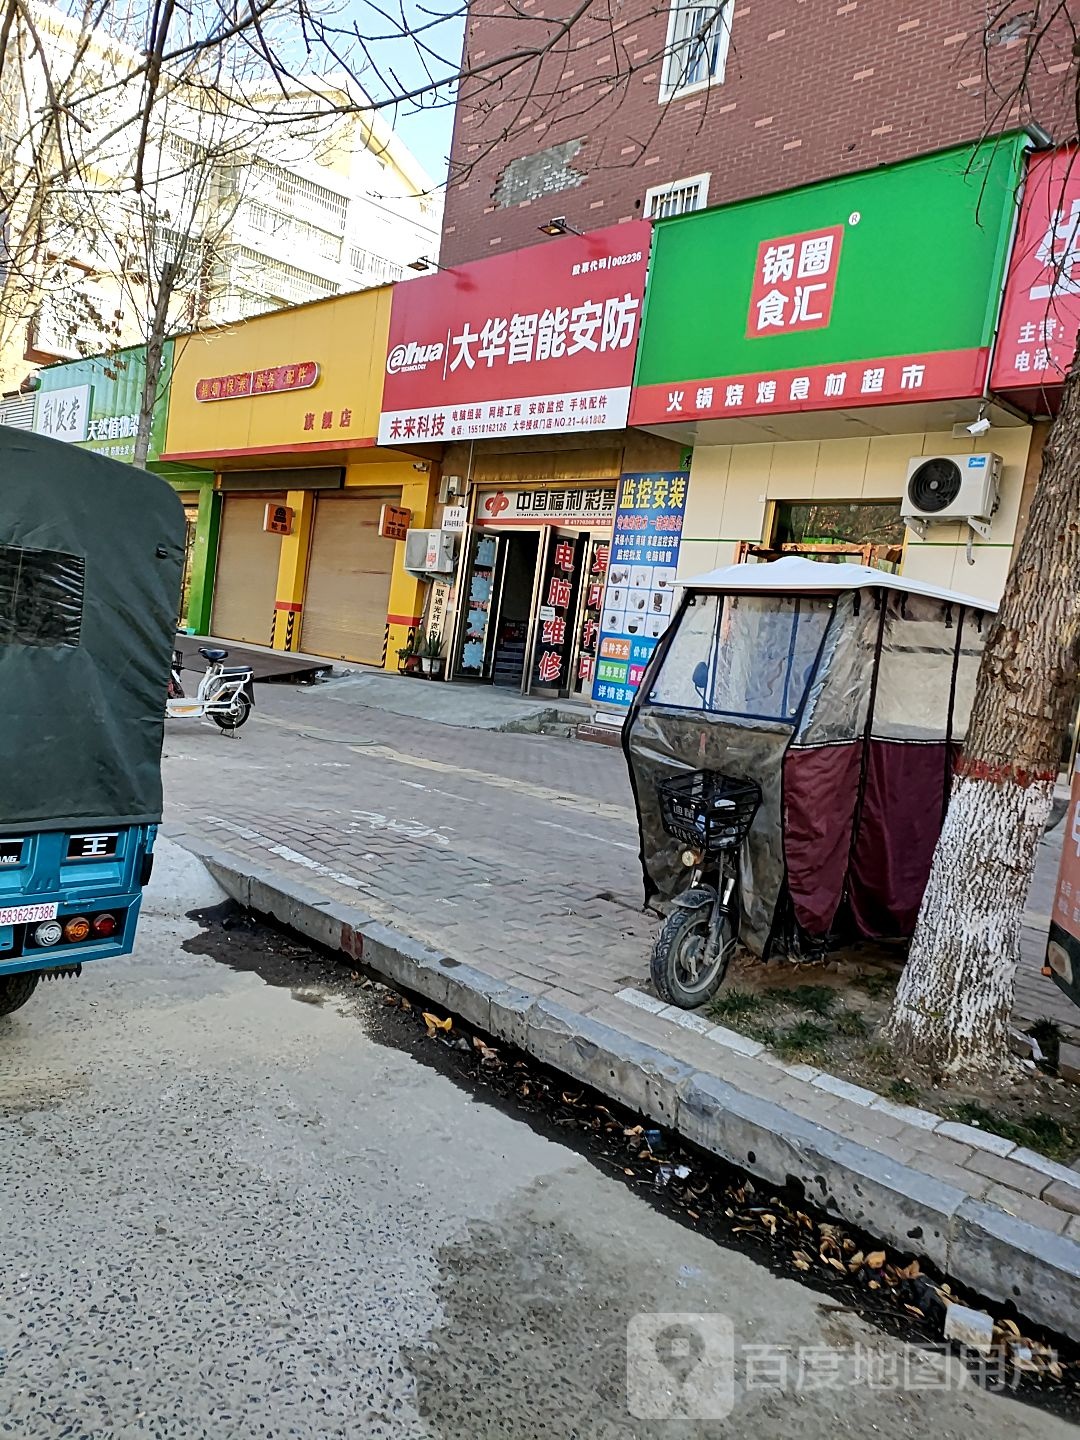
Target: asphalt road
(232,1210)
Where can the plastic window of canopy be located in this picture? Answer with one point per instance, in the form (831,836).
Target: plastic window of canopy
(915,669)
(745,657)
(41,596)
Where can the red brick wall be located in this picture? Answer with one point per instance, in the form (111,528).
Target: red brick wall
(813,88)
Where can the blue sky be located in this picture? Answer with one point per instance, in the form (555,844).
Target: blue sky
(417,31)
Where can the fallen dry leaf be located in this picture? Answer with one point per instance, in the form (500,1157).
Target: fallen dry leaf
(434,1024)
(856,1260)
(909,1272)
(876,1259)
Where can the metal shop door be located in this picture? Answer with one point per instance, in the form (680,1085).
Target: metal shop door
(245,580)
(348,579)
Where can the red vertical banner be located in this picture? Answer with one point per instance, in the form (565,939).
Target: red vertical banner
(1040,313)
(555,638)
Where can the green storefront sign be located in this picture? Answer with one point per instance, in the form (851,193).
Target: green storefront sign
(874,289)
(94,403)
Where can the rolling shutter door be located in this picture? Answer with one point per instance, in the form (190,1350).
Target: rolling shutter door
(348,584)
(245,580)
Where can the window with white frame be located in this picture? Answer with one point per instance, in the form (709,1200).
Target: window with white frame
(697,45)
(677,198)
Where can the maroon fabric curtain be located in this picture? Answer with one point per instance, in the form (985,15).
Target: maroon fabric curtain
(898,827)
(821,786)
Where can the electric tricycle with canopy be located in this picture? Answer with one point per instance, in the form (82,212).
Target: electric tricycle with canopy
(791,749)
(91,554)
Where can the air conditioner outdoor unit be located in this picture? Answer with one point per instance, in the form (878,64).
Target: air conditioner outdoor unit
(430,552)
(951,490)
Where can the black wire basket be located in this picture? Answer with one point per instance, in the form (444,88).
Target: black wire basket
(707,810)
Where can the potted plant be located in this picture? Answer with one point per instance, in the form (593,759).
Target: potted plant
(408,656)
(431,660)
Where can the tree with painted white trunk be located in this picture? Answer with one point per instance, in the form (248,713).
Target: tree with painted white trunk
(952,1007)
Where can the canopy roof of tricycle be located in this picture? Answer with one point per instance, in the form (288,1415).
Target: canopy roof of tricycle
(91,554)
(796,575)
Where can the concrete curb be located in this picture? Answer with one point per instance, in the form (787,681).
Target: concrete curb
(979,1245)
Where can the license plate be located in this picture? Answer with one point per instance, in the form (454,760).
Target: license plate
(27,914)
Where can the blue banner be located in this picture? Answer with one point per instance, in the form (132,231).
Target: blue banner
(640,589)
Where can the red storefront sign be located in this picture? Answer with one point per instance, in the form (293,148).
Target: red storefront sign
(794,282)
(538,341)
(271,381)
(1040,315)
(939,375)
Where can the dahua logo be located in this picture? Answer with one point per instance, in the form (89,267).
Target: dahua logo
(412,357)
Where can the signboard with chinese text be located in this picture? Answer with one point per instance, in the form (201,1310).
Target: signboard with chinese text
(278,519)
(271,381)
(589,505)
(345,332)
(872,289)
(1040,314)
(1063,945)
(394,522)
(437,607)
(115,385)
(558,597)
(63,414)
(640,590)
(794,282)
(589,632)
(538,341)
(455,518)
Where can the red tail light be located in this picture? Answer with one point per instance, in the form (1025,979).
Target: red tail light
(105,925)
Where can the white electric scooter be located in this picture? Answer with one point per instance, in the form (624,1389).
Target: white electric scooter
(225,693)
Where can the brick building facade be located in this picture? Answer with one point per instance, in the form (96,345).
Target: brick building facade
(694,104)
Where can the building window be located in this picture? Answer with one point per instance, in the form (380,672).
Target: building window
(842,531)
(697,46)
(374,267)
(678,198)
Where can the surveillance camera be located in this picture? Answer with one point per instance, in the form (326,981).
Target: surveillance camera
(979,426)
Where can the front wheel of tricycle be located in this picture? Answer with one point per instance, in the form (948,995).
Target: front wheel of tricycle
(15,990)
(684,975)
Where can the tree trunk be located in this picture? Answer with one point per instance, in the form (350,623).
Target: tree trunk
(952,1008)
(155,345)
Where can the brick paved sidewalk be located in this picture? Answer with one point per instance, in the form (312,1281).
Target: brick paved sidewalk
(517,856)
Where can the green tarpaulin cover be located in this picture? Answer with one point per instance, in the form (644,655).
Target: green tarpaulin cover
(91,555)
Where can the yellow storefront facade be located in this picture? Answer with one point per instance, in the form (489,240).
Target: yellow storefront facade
(284,408)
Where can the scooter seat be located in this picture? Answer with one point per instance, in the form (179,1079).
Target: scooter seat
(213,654)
